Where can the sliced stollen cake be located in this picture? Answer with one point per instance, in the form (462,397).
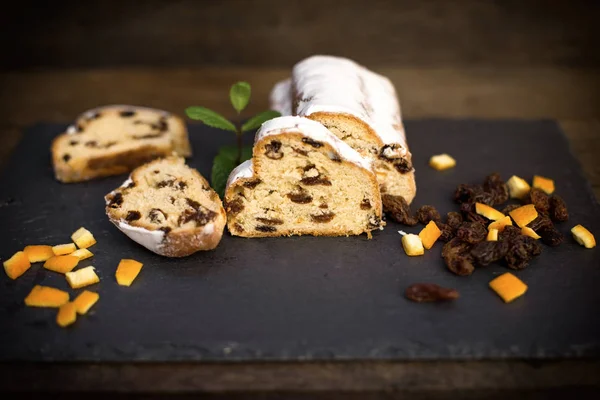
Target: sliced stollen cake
(358,106)
(169,208)
(302,180)
(114,139)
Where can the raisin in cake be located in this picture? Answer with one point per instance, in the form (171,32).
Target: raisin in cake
(358,106)
(302,180)
(114,139)
(169,208)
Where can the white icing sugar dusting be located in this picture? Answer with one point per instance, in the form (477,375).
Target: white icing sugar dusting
(152,240)
(244,170)
(208,229)
(71,129)
(339,85)
(312,130)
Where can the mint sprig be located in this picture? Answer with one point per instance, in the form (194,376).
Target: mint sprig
(228,157)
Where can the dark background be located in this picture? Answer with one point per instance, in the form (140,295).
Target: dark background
(109,33)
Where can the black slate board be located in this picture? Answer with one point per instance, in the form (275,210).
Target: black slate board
(305,298)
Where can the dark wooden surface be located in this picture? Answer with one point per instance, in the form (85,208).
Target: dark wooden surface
(448,59)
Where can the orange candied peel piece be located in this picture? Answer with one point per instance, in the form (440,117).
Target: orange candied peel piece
(82,277)
(442,162)
(492,235)
(83,238)
(527,231)
(500,224)
(38,253)
(508,287)
(67,314)
(17,265)
(524,215)
(127,271)
(85,301)
(46,296)
(430,234)
(488,212)
(82,254)
(543,183)
(61,264)
(583,236)
(62,249)
(518,187)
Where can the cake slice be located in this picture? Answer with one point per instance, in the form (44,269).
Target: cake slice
(114,139)
(302,180)
(169,208)
(358,106)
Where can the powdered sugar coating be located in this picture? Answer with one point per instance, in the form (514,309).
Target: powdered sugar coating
(339,85)
(152,240)
(244,170)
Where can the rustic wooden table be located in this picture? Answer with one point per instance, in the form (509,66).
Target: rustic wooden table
(570,96)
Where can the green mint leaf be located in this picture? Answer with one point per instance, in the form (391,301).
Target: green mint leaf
(239,94)
(210,118)
(222,167)
(260,118)
(224,163)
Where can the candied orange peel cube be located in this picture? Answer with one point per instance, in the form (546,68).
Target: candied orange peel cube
(85,301)
(127,271)
(442,162)
(492,235)
(46,296)
(82,277)
(412,245)
(583,236)
(527,231)
(500,224)
(82,254)
(66,315)
(38,253)
(63,249)
(524,215)
(508,287)
(430,234)
(543,183)
(83,238)
(518,187)
(17,265)
(488,212)
(61,264)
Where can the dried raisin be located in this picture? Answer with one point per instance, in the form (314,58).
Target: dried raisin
(494,185)
(539,199)
(540,222)
(558,209)
(454,219)
(457,257)
(521,250)
(551,236)
(509,232)
(430,292)
(427,213)
(471,232)
(447,231)
(487,252)
(398,209)
(469,214)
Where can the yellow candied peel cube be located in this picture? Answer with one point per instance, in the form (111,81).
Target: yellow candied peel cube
(61,264)
(488,212)
(82,254)
(46,296)
(441,162)
(518,187)
(63,249)
(508,287)
(500,224)
(527,231)
(85,301)
(492,235)
(82,277)
(83,238)
(38,253)
(543,183)
(127,271)
(66,315)
(17,265)
(524,215)
(429,235)
(412,245)
(583,236)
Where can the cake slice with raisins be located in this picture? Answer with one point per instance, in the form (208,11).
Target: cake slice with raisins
(302,180)
(169,208)
(114,139)
(357,105)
